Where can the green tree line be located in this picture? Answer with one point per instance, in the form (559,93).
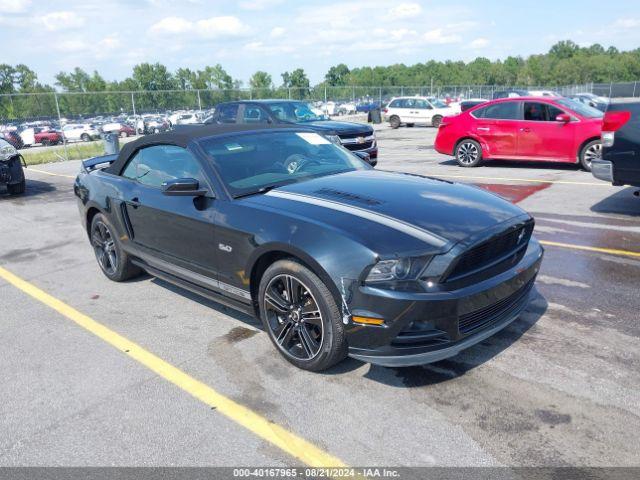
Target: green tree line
(564,64)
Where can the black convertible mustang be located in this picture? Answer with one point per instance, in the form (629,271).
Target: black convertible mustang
(335,257)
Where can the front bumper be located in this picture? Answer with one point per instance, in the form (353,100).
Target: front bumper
(11,172)
(602,170)
(451,320)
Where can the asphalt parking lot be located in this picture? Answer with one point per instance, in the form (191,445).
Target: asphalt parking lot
(559,387)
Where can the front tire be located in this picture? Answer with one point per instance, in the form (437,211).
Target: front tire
(394,121)
(436,121)
(113,261)
(301,316)
(468,153)
(17,188)
(591,151)
(85,137)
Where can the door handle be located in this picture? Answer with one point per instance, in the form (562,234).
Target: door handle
(483,129)
(525,129)
(134,202)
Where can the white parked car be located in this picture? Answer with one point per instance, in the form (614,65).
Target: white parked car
(80,131)
(412,111)
(544,93)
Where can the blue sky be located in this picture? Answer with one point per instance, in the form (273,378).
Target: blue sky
(279,35)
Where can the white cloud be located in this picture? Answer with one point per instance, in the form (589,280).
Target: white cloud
(61,21)
(208,28)
(479,43)
(258,4)
(627,23)
(14,6)
(110,42)
(220,27)
(277,32)
(439,37)
(171,25)
(70,45)
(405,10)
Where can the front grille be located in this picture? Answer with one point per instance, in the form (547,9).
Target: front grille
(483,317)
(358,146)
(493,251)
(357,141)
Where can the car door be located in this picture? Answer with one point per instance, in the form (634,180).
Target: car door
(410,111)
(423,111)
(497,126)
(541,137)
(173,230)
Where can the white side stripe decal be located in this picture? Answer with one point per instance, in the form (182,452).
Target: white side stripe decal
(380,218)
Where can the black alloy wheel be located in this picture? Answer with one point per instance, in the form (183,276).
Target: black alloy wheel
(294,317)
(105,248)
(301,316)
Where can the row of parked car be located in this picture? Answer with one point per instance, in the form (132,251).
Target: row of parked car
(534,126)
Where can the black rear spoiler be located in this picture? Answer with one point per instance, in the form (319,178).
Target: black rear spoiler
(95,162)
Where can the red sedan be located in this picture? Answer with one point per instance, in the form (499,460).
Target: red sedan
(524,128)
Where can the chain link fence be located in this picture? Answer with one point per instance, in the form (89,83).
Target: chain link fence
(22,116)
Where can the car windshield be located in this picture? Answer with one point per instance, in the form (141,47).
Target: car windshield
(294,112)
(255,162)
(580,108)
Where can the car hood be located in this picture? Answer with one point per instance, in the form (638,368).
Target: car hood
(340,128)
(394,208)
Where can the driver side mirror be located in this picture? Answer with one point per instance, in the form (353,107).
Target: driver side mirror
(563,118)
(182,187)
(367,158)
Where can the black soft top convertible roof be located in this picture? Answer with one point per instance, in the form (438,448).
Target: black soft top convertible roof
(188,133)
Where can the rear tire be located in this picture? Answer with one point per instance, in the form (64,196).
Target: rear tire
(436,121)
(301,316)
(45,142)
(591,151)
(85,137)
(18,188)
(124,134)
(394,121)
(468,153)
(112,259)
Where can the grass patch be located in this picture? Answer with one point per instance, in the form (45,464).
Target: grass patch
(75,151)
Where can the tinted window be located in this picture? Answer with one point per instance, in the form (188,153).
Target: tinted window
(293,112)
(253,114)
(397,103)
(155,165)
(422,104)
(250,162)
(500,111)
(227,113)
(541,112)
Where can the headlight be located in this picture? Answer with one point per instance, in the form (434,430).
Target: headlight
(334,139)
(400,269)
(7,151)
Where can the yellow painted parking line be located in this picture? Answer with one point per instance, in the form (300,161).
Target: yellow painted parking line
(31,169)
(287,441)
(612,251)
(561,182)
